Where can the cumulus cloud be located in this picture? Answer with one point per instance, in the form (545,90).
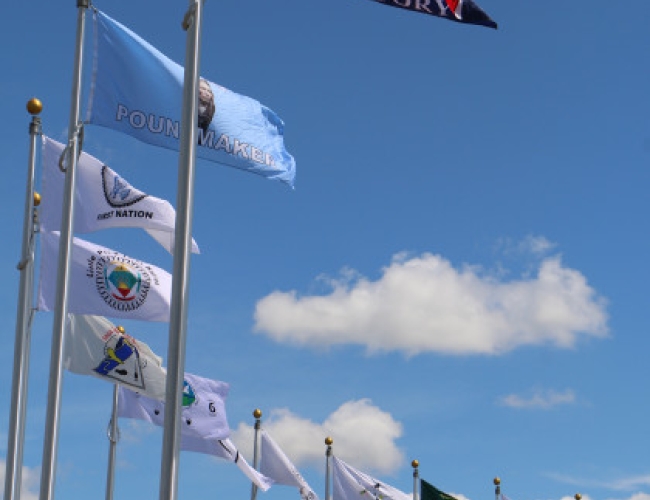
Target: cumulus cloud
(29,484)
(540,399)
(423,304)
(363,435)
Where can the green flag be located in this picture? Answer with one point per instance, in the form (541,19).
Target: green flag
(430,492)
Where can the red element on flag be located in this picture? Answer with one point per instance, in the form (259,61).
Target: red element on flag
(455,6)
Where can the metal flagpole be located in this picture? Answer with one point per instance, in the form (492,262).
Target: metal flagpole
(416,480)
(257,413)
(16,438)
(55,388)
(497,488)
(182,246)
(113,437)
(328,472)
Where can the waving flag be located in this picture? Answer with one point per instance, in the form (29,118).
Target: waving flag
(103,199)
(95,346)
(430,492)
(351,484)
(104,282)
(463,11)
(137,90)
(276,465)
(203,413)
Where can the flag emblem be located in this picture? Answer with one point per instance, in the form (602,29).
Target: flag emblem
(118,192)
(122,282)
(189,396)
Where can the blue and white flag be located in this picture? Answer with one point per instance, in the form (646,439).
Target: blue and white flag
(462,11)
(95,346)
(103,199)
(104,282)
(203,412)
(137,90)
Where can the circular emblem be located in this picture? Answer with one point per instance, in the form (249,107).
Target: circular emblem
(122,282)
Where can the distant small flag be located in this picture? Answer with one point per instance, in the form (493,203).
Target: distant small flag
(137,90)
(103,199)
(276,465)
(203,412)
(95,346)
(352,484)
(463,11)
(104,282)
(430,492)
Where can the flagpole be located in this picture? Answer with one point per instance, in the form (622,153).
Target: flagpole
(16,437)
(416,476)
(257,413)
(328,472)
(55,388)
(497,488)
(113,437)
(182,246)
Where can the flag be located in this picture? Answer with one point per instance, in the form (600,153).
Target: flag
(224,448)
(104,282)
(137,90)
(463,11)
(276,465)
(351,484)
(103,199)
(429,492)
(203,412)
(95,346)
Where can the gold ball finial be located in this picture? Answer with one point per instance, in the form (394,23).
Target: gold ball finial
(415,464)
(37,199)
(328,441)
(121,329)
(497,481)
(577,496)
(257,413)
(34,106)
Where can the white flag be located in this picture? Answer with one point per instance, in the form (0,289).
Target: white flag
(95,346)
(276,465)
(351,484)
(224,448)
(203,412)
(104,282)
(103,199)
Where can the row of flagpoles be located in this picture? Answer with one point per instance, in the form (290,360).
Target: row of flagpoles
(233,130)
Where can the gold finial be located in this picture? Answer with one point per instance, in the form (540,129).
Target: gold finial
(121,329)
(497,481)
(37,199)
(34,106)
(328,441)
(415,464)
(257,413)
(577,496)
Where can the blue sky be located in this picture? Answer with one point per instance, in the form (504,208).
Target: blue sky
(459,277)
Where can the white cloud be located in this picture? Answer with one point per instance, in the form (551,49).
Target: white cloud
(539,399)
(423,304)
(29,483)
(363,435)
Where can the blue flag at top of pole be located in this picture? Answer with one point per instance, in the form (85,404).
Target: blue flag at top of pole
(462,11)
(138,90)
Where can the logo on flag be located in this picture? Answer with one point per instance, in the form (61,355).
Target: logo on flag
(117,191)
(189,396)
(122,282)
(121,360)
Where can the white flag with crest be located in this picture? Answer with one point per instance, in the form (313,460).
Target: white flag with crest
(103,199)
(95,346)
(104,282)
(275,464)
